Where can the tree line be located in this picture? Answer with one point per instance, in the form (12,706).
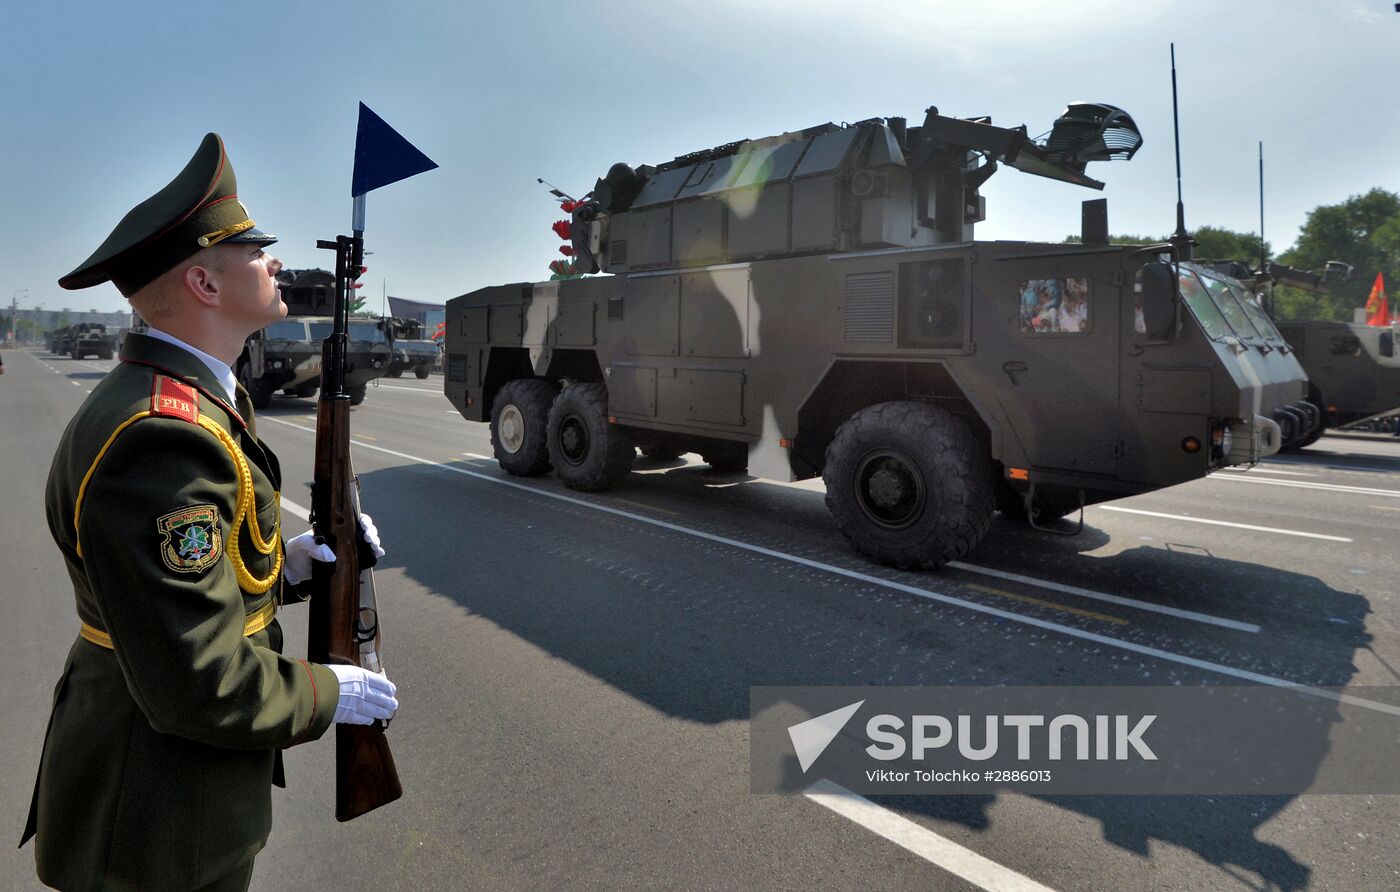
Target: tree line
(1363,231)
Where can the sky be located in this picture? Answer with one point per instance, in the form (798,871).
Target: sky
(103,103)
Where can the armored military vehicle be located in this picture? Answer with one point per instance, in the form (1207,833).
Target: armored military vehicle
(814,303)
(286,355)
(59,341)
(411,351)
(1354,370)
(91,339)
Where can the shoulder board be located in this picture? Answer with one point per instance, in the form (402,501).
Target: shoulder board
(174,399)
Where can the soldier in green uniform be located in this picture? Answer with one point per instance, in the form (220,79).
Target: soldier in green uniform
(175,701)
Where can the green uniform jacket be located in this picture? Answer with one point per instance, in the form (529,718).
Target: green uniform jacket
(161,749)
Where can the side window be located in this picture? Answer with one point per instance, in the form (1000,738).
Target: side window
(1387,343)
(1345,345)
(1055,306)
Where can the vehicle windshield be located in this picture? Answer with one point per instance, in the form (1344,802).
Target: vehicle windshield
(286,331)
(1202,307)
(320,330)
(1256,313)
(1230,307)
(366,331)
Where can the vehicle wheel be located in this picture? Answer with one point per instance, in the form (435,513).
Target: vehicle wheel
(77,354)
(308,389)
(909,485)
(105,354)
(394,373)
(519,421)
(357,394)
(662,453)
(587,452)
(259,391)
(420,373)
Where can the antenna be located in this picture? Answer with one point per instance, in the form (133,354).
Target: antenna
(1263,256)
(1180,239)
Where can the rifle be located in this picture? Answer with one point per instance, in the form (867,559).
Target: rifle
(344,624)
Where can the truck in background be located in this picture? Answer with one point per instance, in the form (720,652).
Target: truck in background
(286,355)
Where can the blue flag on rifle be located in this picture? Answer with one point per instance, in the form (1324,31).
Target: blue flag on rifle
(382,156)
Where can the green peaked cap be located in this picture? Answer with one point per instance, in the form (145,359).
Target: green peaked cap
(198,209)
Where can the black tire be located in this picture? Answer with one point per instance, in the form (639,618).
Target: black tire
(77,354)
(105,354)
(587,452)
(357,394)
(420,373)
(519,425)
(308,389)
(394,373)
(909,485)
(259,391)
(662,453)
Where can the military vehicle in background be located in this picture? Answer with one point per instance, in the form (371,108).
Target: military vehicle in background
(86,339)
(411,351)
(59,341)
(286,355)
(1353,370)
(814,303)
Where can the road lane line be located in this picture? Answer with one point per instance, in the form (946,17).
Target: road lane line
(296,510)
(940,851)
(1224,523)
(986,609)
(1325,487)
(1111,599)
(1027,599)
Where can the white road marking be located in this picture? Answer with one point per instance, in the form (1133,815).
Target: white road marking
(1371,469)
(411,389)
(940,597)
(1325,487)
(75,383)
(1111,599)
(958,860)
(1223,523)
(296,510)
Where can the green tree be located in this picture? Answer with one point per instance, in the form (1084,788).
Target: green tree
(1363,231)
(1212,243)
(62,320)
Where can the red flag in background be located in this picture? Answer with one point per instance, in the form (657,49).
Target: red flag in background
(1377,307)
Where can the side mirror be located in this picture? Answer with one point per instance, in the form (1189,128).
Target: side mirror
(1159,301)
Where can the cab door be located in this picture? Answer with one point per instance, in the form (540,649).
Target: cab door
(1059,357)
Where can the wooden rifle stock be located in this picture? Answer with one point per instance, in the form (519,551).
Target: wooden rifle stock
(344,622)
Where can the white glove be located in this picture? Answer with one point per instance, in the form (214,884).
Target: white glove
(303,549)
(364,696)
(371,534)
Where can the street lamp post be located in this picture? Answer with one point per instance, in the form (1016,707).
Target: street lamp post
(14,311)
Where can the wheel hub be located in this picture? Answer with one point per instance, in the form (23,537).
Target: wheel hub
(573,440)
(890,489)
(512,429)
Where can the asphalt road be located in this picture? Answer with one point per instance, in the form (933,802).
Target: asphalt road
(574,670)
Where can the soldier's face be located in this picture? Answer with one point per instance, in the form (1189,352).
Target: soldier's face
(249,277)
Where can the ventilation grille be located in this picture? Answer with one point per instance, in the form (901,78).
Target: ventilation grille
(456,367)
(618,254)
(870,307)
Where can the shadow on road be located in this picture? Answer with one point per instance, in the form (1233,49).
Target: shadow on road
(688,625)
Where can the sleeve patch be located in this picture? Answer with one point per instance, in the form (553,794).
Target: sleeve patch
(190,538)
(174,399)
